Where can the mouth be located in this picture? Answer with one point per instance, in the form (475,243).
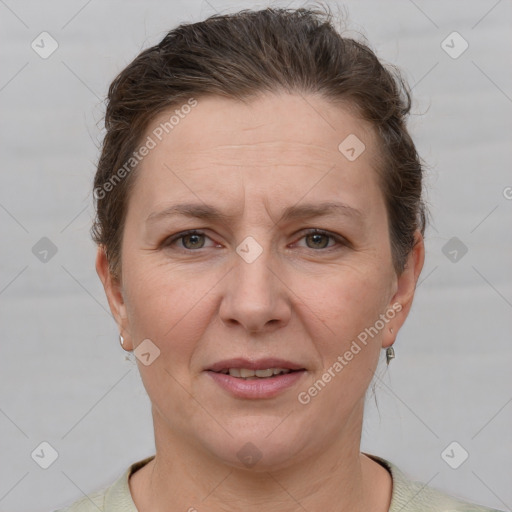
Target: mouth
(267,368)
(248,374)
(256,379)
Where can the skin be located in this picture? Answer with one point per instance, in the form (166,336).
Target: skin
(304,299)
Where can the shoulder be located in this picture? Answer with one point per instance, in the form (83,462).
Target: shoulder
(91,503)
(412,496)
(114,498)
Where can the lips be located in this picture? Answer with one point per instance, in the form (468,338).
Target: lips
(259,364)
(255,388)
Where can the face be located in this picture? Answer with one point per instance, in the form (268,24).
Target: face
(274,272)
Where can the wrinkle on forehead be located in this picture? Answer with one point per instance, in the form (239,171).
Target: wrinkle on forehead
(274,153)
(271,134)
(271,130)
(289,117)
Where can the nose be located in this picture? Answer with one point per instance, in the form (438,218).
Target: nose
(255,296)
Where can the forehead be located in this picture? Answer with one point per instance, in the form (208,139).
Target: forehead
(276,144)
(275,121)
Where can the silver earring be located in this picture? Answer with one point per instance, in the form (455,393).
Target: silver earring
(121,340)
(390,354)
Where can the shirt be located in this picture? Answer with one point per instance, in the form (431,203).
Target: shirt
(407,495)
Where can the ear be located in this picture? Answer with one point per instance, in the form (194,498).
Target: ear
(113,291)
(405,288)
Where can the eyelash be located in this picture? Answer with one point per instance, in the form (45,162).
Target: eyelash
(168,242)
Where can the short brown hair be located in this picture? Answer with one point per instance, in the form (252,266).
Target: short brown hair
(248,53)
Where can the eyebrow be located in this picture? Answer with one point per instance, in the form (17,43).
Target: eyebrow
(297,212)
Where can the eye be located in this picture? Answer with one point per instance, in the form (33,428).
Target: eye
(194,239)
(190,240)
(320,239)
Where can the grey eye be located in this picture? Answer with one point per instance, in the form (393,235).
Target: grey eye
(316,239)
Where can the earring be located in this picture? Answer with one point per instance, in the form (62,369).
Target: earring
(390,354)
(121,340)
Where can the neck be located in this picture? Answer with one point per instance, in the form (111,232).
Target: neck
(337,478)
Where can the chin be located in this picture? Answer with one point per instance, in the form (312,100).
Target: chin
(260,446)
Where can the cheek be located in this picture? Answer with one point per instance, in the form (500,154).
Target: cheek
(344,309)
(352,345)
(349,304)
(168,306)
(170,309)
(349,300)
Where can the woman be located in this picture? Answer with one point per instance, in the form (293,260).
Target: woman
(233,147)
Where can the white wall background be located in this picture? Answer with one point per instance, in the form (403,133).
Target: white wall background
(64,378)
